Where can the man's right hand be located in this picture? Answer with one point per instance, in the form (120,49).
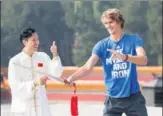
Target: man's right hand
(41,81)
(68,82)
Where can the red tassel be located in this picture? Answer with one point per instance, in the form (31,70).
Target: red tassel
(74,103)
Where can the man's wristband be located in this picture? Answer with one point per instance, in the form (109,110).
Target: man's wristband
(126,57)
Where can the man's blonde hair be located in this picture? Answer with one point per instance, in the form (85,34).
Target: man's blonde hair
(114,14)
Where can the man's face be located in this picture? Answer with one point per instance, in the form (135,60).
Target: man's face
(32,42)
(112,26)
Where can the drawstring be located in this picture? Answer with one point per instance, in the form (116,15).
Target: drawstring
(74,86)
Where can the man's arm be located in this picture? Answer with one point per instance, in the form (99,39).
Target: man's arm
(55,65)
(140,59)
(84,70)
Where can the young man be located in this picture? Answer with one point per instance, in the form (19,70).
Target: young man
(27,85)
(119,54)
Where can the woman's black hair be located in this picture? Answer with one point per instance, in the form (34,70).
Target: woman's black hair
(26,33)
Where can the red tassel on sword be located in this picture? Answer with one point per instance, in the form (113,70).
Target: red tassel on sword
(74,103)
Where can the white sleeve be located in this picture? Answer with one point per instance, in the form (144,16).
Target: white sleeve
(21,89)
(55,67)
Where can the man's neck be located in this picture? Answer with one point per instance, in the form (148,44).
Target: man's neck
(116,36)
(28,52)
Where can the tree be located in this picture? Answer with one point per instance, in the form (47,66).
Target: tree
(154,35)
(140,18)
(48,20)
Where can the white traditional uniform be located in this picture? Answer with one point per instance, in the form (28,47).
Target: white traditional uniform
(26,99)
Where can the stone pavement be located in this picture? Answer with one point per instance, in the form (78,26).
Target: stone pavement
(62,108)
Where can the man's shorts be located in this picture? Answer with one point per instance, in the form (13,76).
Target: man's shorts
(134,105)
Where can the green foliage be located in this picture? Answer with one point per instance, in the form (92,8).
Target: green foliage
(154,34)
(84,47)
(66,21)
(142,18)
(48,20)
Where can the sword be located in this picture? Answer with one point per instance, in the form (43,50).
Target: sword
(51,77)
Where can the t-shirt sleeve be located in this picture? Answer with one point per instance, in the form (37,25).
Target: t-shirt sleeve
(139,42)
(97,49)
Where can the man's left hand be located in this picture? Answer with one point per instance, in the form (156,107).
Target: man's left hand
(116,55)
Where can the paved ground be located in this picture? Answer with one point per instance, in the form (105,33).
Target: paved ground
(61,108)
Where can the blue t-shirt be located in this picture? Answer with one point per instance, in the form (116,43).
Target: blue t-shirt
(120,76)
